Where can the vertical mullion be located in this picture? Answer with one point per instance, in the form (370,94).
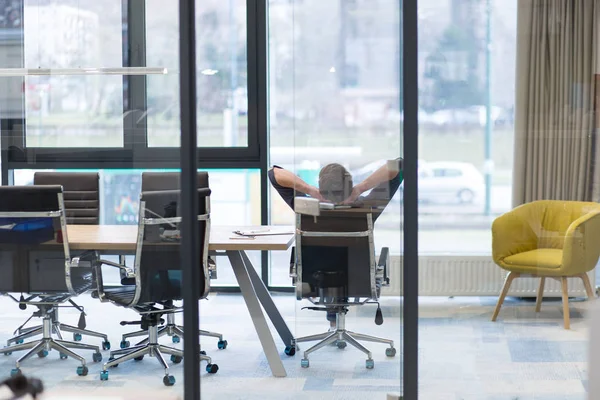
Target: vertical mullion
(256,68)
(134,119)
(190,256)
(12,127)
(410,83)
(258,114)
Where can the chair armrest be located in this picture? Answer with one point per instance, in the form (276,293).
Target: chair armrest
(84,260)
(382,264)
(129,273)
(293,271)
(384,257)
(511,234)
(580,249)
(212,268)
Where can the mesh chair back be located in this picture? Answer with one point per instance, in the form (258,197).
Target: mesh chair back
(158,262)
(158,181)
(336,261)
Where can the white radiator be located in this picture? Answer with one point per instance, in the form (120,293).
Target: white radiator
(472,276)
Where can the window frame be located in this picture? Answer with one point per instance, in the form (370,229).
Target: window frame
(135,148)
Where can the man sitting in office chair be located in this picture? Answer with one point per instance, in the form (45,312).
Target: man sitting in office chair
(336,186)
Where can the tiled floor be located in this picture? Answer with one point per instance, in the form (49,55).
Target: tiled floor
(463,356)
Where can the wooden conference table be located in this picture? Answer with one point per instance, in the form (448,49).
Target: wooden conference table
(121,240)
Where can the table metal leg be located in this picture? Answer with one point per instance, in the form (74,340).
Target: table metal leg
(258,319)
(267,302)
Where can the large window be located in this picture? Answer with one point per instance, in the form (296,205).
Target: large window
(73,111)
(454,83)
(335,96)
(87,111)
(221,77)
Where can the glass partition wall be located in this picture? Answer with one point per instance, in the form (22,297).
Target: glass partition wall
(76,104)
(336,120)
(95,87)
(505,104)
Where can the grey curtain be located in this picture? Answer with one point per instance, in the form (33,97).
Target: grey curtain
(556,154)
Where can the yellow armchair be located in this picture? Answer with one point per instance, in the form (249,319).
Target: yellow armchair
(547,238)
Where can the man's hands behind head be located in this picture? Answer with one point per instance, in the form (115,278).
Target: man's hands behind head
(354,195)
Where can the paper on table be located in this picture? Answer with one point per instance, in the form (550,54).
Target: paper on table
(240,237)
(264,232)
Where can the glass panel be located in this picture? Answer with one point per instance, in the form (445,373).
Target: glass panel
(453,162)
(505,119)
(335,125)
(221,73)
(66,110)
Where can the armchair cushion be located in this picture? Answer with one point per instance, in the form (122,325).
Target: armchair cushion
(534,260)
(555,237)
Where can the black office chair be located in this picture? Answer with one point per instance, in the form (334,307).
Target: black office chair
(158,181)
(36,260)
(81,192)
(82,207)
(157,273)
(335,269)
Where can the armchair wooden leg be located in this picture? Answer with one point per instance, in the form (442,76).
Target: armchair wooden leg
(540,295)
(565,300)
(507,282)
(588,286)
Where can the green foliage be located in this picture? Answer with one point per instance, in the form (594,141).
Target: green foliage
(457,50)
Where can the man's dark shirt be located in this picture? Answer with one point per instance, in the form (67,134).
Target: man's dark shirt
(379,196)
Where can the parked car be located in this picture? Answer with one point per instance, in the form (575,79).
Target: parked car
(444,182)
(450,182)
(470,116)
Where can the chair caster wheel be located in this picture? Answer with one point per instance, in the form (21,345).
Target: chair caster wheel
(97,357)
(176,359)
(304,363)
(112,359)
(15,372)
(175,339)
(124,344)
(202,352)
(104,375)
(370,364)
(212,368)
(20,341)
(77,337)
(390,352)
(106,345)
(290,350)
(222,345)
(63,356)
(341,344)
(140,358)
(82,371)
(43,353)
(169,380)
(7,353)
